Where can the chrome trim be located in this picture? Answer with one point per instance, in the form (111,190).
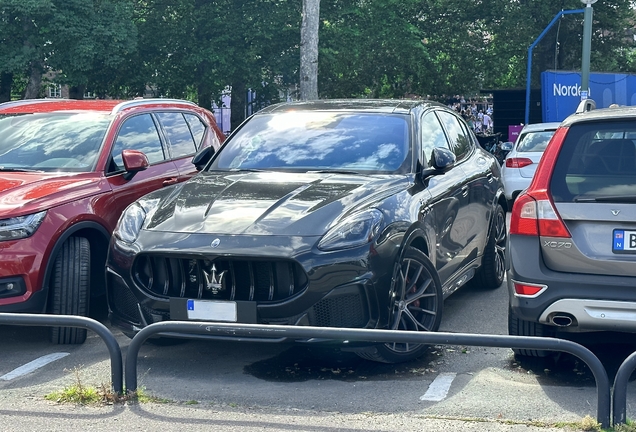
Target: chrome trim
(140,102)
(595,314)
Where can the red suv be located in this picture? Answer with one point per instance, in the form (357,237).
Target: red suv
(68,168)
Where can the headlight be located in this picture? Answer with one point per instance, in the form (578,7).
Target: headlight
(132,219)
(20,227)
(355,230)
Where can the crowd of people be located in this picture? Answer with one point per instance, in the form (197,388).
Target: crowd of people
(476,112)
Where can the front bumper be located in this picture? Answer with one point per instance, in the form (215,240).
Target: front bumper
(347,288)
(593,302)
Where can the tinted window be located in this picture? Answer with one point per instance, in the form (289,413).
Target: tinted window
(197,127)
(432,136)
(52,141)
(305,141)
(597,160)
(178,133)
(534,141)
(137,133)
(459,142)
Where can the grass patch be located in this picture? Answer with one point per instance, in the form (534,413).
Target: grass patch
(82,394)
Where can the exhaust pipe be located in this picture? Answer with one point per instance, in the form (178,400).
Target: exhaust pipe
(562,320)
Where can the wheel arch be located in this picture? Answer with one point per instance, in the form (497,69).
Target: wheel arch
(417,239)
(98,238)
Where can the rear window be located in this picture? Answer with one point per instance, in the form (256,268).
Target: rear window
(597,162)
(534,141)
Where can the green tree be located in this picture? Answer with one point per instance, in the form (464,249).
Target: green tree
(77,39)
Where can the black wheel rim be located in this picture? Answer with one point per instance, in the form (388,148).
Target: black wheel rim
(414,302)
(500,245)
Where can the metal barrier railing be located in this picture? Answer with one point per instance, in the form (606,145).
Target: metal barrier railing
(45,320)
(619,395)
(182,328)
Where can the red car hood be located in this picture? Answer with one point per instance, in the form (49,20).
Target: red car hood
(25,193)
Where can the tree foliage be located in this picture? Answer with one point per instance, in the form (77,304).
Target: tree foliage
(368,48)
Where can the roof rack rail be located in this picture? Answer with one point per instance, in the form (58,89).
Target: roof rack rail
(585,106)
(20,102)
(136,102)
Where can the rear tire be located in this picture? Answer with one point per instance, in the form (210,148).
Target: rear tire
(415,302)
(69,288)
(519,327)
(493,265)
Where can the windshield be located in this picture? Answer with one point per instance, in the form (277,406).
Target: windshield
(534,141)
(319,141)
(51,141)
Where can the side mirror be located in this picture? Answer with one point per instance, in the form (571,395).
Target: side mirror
(442,160)
(203,156)
(507,146)
(134,161)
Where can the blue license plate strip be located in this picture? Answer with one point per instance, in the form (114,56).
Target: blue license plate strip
(623,241)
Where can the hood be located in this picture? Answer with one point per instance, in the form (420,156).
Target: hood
(25,193)
(268,203)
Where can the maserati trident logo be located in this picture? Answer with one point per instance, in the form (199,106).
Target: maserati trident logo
(213,282)
(615,212)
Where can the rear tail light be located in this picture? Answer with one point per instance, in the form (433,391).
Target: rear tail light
(524,289)
(533,213)
(518,162)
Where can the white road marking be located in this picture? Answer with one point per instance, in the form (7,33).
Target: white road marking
(33,365)
(438,389)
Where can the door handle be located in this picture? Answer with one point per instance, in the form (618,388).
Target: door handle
(170,181)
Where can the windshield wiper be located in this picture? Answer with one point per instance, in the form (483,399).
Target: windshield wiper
(6,169)
(612,199)
(333,171)
(246,170)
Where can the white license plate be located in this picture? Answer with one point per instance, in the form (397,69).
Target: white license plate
(624,241)
(209,310)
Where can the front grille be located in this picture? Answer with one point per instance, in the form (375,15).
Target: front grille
(219,278)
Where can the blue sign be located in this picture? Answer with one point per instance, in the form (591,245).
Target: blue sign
(561,92)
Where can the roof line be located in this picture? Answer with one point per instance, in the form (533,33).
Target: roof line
(20,102)
(137,102)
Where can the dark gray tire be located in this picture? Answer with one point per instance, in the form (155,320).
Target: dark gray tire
(415,302)
(493,266)
(519,327)
(69,287)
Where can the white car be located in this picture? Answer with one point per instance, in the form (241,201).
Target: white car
(522,161)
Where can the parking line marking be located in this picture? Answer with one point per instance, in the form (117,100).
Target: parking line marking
(438,389)
(33,365)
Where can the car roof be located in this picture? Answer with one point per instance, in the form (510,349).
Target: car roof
(614,113)
(394,106)
(102,105)
(536,127)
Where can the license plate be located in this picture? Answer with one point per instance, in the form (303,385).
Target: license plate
(209,310)
(624,241)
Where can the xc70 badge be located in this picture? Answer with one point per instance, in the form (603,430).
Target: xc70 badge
(557,244)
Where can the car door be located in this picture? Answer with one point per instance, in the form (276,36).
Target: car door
(447,209)
(138,132)
(184,132)
(478,167)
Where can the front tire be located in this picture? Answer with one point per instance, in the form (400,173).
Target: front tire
(69,288)
(415,301)
(493,266)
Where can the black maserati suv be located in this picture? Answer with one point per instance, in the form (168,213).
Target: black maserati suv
(337,213)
